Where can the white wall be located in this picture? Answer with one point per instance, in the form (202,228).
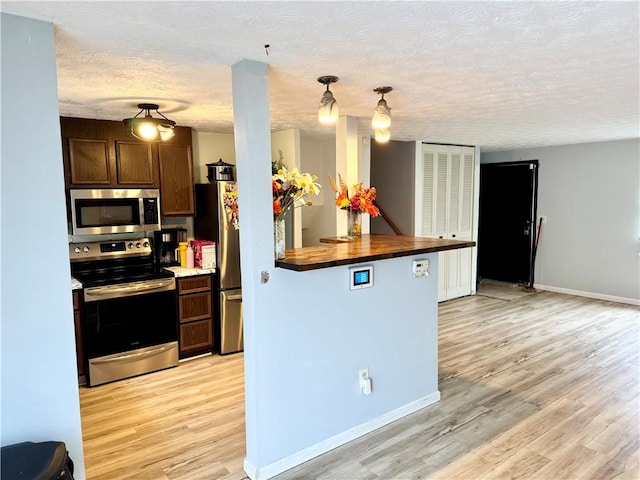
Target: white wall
(39,376)
(392,173)
(318,157)
(209,148)
(591,196)
(288,142)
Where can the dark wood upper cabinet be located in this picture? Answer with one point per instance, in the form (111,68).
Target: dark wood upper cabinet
(134,163)
(176,179)
(100,154)
(89,162)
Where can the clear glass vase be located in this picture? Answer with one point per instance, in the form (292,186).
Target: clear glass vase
(278,238)
(354,224)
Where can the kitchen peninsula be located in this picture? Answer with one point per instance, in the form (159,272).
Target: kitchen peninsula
(340,309)
(365,249)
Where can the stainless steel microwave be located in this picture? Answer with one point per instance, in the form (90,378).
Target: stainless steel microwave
(114,210)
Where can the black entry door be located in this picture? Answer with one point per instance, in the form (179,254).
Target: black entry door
(507,226)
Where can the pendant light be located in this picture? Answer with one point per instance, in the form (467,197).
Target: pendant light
(381,119)
(382,114)
(328,110)
(146,127)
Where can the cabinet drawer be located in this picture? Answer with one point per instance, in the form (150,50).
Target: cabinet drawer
(195,306)
(199,283)
(195,335)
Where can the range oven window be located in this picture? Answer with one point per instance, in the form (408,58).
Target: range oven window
(125,323)
(113,212)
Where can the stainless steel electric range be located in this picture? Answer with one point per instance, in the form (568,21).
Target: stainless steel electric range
(129,311)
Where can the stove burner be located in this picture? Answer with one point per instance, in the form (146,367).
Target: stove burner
(97,264)
(101,278)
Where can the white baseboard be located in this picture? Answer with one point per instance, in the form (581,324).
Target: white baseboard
(579,293)
(325,446)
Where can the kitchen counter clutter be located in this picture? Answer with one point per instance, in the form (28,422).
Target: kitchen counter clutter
(188,272)
(366,248)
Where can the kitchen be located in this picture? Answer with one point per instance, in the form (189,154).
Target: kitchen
(130,242)
(119,251)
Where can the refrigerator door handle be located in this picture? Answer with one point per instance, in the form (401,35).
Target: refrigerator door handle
(237,296)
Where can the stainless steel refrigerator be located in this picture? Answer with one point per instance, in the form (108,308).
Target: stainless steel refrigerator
(217,219)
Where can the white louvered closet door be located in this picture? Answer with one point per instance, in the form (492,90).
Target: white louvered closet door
(447,212)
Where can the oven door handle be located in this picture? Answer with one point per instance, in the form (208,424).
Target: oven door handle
(130,357)
(113,291)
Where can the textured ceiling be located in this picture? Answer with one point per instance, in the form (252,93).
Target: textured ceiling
(500,75)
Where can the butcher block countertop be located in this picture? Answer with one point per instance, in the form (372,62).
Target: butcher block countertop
(367,248)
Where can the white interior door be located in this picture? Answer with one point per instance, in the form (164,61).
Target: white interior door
(447,212)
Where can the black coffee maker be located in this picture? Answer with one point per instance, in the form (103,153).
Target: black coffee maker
(165,243)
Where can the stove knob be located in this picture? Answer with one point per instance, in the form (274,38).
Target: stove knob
(85,249)
(137,244)
(145,244)
(130,245)
(76,250)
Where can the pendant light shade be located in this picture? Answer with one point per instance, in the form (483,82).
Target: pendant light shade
(381,119)
(148,128)
(382,114)
(328,110)
(382,135)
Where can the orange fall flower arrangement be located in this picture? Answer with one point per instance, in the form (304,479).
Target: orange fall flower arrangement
(361,200)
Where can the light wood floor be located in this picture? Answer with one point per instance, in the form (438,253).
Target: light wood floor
(184,423)
(542,387)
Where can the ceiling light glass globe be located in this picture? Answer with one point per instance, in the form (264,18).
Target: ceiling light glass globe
(328,111)
(147,131)
(382,135)
(381,116)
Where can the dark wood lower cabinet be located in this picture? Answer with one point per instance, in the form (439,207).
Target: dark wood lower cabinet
(196,335)
(195,315)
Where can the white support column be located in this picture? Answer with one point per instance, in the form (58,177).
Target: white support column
(253,159)
(364,173)
(347,160)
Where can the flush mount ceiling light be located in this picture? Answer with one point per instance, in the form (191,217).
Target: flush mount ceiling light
(328,111)
(148,128)
(382,114)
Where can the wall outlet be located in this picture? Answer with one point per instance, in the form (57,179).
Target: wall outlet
(543,218)
(365,381)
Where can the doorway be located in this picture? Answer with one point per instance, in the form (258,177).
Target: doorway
(507,221)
